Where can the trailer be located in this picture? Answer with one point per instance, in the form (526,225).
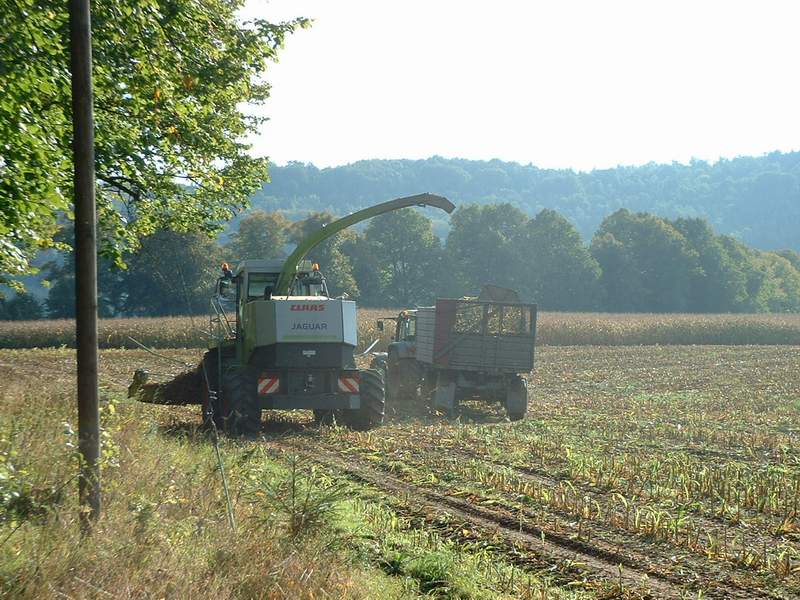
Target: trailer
(461,349)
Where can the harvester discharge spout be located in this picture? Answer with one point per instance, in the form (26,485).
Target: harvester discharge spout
(331,229)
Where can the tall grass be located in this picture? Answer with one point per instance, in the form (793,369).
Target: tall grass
(163,532)
(554,329)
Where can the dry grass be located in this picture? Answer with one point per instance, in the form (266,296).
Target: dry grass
(554,329)
(164,532)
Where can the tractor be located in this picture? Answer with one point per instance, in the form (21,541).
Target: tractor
(280,341)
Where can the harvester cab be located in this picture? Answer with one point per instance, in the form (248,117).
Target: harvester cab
(281,342)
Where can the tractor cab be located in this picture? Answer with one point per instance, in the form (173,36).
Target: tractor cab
(405,326)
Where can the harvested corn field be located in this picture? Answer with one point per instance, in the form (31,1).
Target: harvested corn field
(640,472)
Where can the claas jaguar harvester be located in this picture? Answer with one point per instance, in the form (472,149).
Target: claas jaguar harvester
(281,342)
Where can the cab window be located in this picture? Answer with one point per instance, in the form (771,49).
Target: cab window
(408,329)
(260,285)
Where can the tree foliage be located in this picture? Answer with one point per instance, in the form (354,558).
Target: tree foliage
(636,262)
(170,77)
(335,264)
(260,235)
(554,266)
(407,257)
(647,264)
(480,247)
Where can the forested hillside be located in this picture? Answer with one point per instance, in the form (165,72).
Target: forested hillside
(756,199)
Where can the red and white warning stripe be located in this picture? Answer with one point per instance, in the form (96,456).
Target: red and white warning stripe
(348,383)
(268,384)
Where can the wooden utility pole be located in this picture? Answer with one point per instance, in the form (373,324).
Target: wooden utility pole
(80,29)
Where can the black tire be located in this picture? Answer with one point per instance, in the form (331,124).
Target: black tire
(516,399)
(209,381)
(403,377)
(240,410)
(378,363)
(373,404)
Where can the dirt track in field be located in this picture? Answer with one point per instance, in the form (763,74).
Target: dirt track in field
(646,570)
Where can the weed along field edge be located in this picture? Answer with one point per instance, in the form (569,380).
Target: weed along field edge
(640,472)
(554,329)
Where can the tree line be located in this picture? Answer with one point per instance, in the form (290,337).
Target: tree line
(756,199)
(635,262)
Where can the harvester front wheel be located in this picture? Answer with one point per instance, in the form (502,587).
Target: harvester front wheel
(373,402)
(241,412)
(516,398)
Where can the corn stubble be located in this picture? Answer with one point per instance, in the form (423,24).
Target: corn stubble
(682,461)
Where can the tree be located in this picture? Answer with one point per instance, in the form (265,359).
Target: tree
(479,248)
(60,272)
(170,77)
(22,307)
(172,274)
(334,263)
(556,269)
(647,264)
(719,284)
(408,257)
(260,235)
(366,269)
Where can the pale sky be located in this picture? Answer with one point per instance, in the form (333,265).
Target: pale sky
(563,83)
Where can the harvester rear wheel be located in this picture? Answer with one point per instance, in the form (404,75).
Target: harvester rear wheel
(517,399)
(240,409)
(373,403)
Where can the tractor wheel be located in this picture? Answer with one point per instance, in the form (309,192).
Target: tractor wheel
(208,371)
(403,377)
(516,398)
(373,405)
(240,410)
(378,363)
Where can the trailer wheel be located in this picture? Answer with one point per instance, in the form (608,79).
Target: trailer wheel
(516,398)
(240,410)
(212,410)
(373,404)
